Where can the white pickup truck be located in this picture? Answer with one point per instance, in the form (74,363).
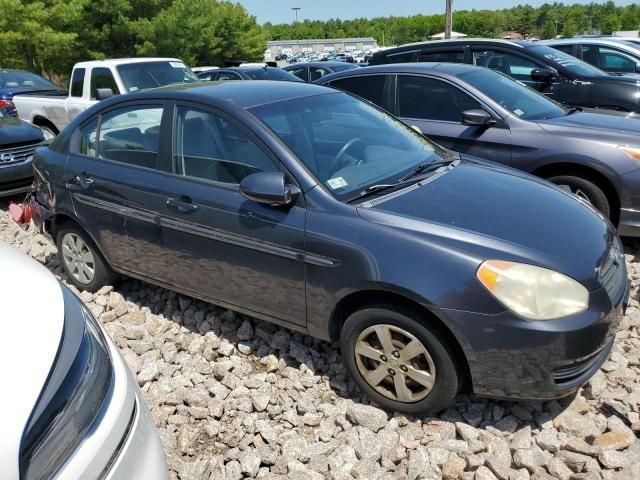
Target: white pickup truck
(96,80)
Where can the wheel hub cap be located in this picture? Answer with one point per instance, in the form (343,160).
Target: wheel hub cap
(78,258)
(395,363)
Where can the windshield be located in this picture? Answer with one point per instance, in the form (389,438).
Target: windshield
(568,62)
(144,75)
(271,74)
(14,78)
(346,143)
(520,100)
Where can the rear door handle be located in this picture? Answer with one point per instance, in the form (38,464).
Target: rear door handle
(183,204)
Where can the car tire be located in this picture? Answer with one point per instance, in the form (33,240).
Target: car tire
(81,260)
(360,342)
(585,189)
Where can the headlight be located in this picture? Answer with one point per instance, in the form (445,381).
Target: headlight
(632,152)
(76,388)
(531,292)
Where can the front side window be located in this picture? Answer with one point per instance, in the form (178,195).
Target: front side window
(315,73)
(453,56)
(515,66)
(520,100)
(346,143)
(208,147)
(431,99)
(77,82)
(131,135)
(369,87)
(299,72)
(102,78)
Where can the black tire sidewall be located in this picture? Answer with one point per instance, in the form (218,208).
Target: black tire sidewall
(103,273)
(597,197)
(447,377)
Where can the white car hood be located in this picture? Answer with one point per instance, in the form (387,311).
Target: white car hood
(32,314)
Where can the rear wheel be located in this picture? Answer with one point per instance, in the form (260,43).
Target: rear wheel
(81,260)
(584,189)
(398,361)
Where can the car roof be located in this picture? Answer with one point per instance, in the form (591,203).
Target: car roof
(113,62)
(328,63)
(242,94)
(435,43)
(453,69)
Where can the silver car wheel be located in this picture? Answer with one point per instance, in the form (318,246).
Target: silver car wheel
(78,258)
(395,363)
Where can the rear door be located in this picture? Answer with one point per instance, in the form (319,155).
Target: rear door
(435,106)
(223,246)
(114,174)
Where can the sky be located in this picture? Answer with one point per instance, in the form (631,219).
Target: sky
(279,11)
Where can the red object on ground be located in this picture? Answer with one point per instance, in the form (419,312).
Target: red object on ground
(20,213)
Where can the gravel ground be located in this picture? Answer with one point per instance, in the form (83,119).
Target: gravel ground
(238,398)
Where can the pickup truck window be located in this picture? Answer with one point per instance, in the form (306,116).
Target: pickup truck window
(130,135)
(77,82)
(144,75)
(102,78)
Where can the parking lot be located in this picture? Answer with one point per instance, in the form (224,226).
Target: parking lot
(237,398)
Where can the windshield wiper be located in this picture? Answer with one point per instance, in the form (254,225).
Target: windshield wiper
(422,167)
(574,110)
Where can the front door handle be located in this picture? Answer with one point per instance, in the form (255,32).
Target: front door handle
(83,180)
(183,204)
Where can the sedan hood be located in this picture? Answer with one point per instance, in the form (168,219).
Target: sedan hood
(32,312)
(14,130)
(515,215)
(593,121)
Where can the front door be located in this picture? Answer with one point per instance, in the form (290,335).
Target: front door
(436,106)
(116,186)
(225,247)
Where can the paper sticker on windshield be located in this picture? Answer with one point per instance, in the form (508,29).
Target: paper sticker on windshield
(518,112)
(177,65)
(337,182)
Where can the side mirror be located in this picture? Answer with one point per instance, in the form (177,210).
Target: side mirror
(103,93)
(477,118)
(268,188)
(417,129)
(542,75)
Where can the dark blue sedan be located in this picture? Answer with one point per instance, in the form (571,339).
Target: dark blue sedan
(14,82)
(314,210)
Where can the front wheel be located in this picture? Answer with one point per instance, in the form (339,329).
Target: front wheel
(398,361)
(586,190)
(81,260)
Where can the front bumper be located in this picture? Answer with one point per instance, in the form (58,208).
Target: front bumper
(124,443)
(16,178)
(512,358)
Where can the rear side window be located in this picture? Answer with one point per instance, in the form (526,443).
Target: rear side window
(430,99)
(130,135)
(224,76)
(444,57)
(369,87)
(88,136)
(299,72)
(77,82)
(515,66)
(403,57)
(102,78)
(564,48)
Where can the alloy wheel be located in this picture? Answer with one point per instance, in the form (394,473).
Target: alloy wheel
(78,258)
(395,363)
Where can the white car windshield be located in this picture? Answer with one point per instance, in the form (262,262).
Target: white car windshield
(347,144)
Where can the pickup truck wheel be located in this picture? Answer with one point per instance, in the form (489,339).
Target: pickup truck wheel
(81,260)
(398,361)
(586,190)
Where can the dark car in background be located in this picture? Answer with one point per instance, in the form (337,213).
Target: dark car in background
(307,207)
(557,74)
(247,73)
(481,112)
(18,142)
(312,71)
(613,56)
(14,82)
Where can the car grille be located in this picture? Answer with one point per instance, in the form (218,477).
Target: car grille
(577,372)
(613,272)
(17,153)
